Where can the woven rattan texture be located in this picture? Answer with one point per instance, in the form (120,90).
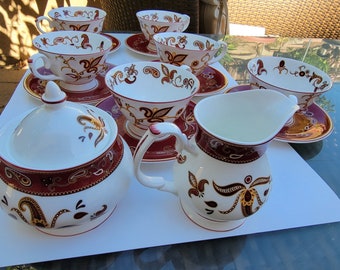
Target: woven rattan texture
(122,13)
(289,18)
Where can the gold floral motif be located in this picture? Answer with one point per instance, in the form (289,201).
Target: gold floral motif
(169,76)
(37,215)
(245,195)
(197,186)
(21,178)
(90,122)
(89,66)
(78,13)
(153,115)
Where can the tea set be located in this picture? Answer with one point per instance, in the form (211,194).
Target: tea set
(57,158)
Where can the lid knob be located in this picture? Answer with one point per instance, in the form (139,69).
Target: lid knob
(53,94)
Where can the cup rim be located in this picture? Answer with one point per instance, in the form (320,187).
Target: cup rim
(37,39)
(102,13)
(148,11)
(151,63)
(177,34)
(324,74)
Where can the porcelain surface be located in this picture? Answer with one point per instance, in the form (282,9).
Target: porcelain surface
(159,21)
(139,44)
(290,77)
(54,162)
(74,58)
(36,88)
(163,150)
(307,126)
(193,50)
(150,92)
(222,175)
(73,19)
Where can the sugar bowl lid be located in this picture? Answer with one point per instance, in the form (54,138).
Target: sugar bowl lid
(59,134)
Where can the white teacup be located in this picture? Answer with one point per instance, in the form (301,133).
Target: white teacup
(74,58)
(158,21)
(87,19)
(193,50)
(150,92)
(290,77)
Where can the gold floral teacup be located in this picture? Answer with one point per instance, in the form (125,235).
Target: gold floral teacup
(159,21)
(150,92)
(74,58)
(290,77)
(193,50)
(87,19)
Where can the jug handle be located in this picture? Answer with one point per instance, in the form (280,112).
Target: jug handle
(157,132)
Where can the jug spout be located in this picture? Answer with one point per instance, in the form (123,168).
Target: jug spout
(245,118)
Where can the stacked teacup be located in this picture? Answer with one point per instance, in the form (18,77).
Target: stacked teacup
(158,21)
(87,19)
(74,53)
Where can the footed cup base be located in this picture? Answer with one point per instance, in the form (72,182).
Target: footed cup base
(212,225)
(68,87)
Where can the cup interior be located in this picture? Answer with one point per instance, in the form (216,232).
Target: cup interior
(163,16)
(248,117)
(185,41)
(77,14)
(72,42)
(152,82)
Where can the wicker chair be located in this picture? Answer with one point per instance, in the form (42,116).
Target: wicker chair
(289,18)
(122,13)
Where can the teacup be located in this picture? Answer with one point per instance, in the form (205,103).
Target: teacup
(290,77)
(87,19)
(74,58)
(192,50)
(159,21)
(150,92)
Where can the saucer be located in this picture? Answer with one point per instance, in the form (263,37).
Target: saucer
(36,88)
(212,81)
(161,150)
(115,42)
(138,44)
(308,126)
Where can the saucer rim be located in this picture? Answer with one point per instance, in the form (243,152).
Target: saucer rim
(219,90)
(288,139)
(150,54)
(113,39)
(30,76)
(321,137)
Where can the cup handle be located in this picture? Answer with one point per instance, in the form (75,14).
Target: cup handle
(187,22)
(33,63)
(222,52)
(157,132)
(39,20)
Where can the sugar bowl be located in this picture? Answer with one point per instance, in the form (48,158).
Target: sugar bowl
(63,166)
